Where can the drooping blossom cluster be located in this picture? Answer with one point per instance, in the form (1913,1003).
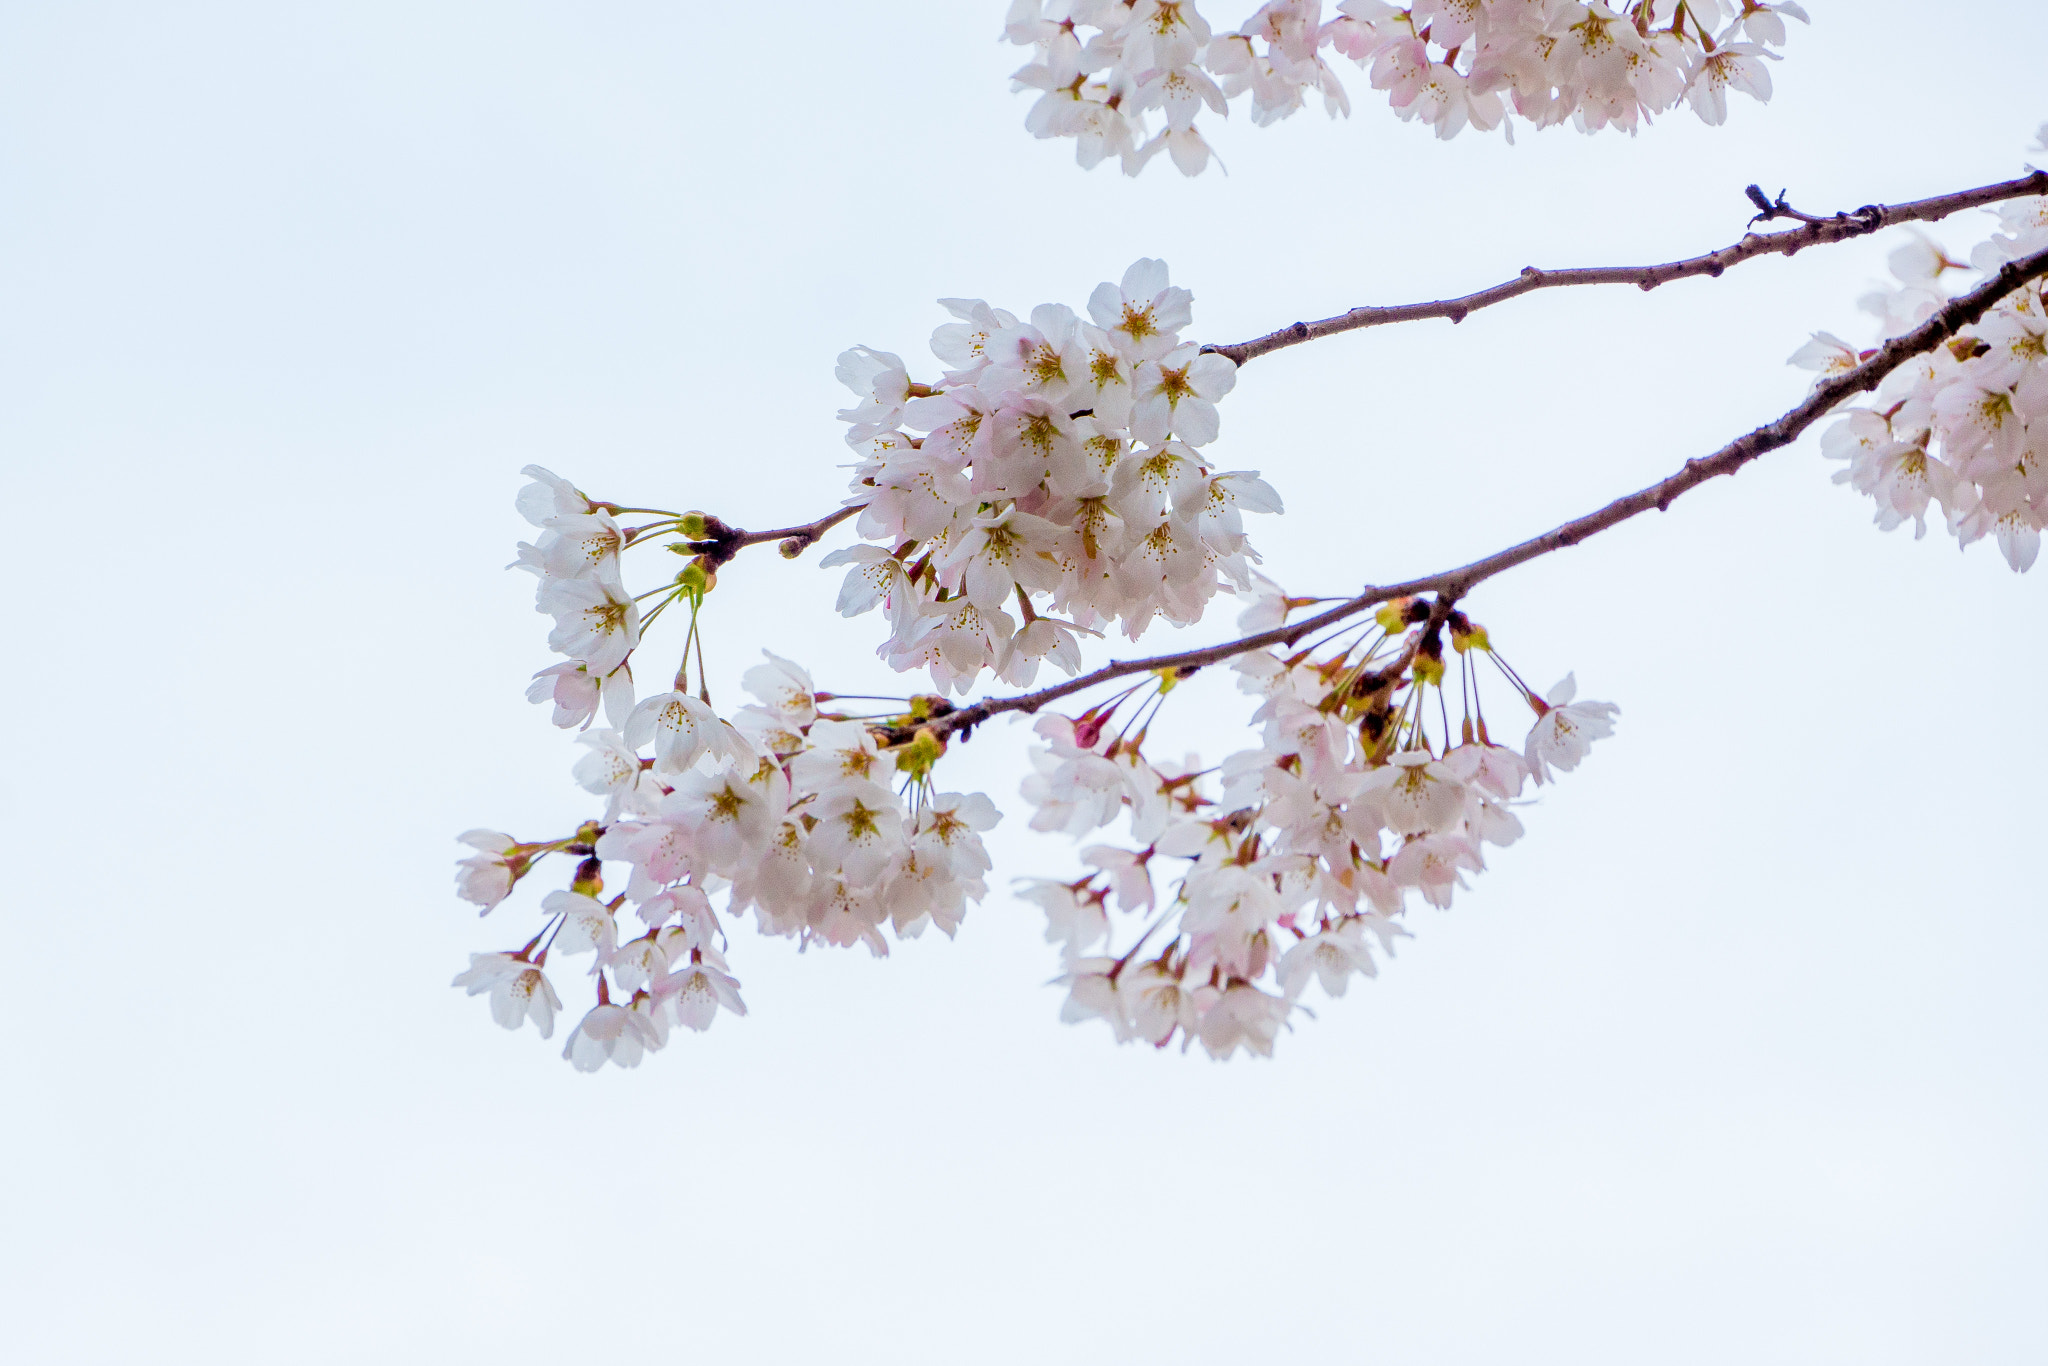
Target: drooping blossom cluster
(1965,427)
(788,812)
(1129,78)
(1055,467)
(1290,863)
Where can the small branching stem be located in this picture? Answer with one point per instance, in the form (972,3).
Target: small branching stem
(1813,232)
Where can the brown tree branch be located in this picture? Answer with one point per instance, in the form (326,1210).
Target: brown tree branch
(723,542)
(1815,232)
(726,542)
(1452,584)
(797,539)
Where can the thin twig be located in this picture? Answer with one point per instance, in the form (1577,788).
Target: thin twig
(797,539)
(1815,232)
(1768,208)
(723,541)
(1451,584)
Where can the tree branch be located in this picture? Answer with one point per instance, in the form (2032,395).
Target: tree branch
(1815,232)
(1452,584)
(725,542)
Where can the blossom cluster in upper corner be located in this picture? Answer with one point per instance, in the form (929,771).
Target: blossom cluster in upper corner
(1128,79)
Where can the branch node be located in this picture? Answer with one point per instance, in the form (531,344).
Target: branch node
(722,543)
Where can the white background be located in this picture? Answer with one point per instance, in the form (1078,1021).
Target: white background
(1738,1056)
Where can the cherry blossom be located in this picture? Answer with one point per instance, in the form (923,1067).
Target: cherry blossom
(519,990)
(682,729)
(698,993)
(577,693)
(610,1034)
(595,622)
(486,878)
(1130,78)
(1331,957)
(1565,730)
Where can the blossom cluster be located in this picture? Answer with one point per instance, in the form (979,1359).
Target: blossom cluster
(1294,858)
(1056,466)
(1964,427)
(581,586)
(1290,863)
(784,810)
(1129,78)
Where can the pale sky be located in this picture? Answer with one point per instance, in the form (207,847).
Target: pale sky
(1741,1054)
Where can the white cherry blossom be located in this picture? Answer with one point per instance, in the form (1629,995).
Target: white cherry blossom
(683,729)
(610,1034)
(519,990)
(486,878)
(549,496)
(577,693)
(587,923)
(1566,729)
(596,624)
(1330,957)
(697,992)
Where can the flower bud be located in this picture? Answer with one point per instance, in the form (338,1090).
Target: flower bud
(1467,634)
(694,527)
(917,757)
(1429,659)
(697,577)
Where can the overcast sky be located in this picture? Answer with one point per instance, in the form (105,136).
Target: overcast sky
(1741,1054)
